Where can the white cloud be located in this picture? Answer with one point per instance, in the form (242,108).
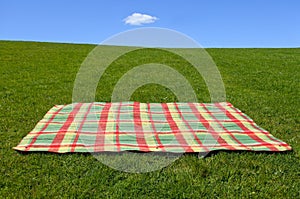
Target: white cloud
(137,19)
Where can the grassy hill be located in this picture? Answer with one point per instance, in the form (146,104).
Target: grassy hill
(263,83)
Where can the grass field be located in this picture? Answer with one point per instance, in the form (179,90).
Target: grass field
(263,83)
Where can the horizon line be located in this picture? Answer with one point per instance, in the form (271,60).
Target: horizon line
(86,43)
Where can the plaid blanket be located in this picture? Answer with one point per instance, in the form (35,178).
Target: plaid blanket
(159,127)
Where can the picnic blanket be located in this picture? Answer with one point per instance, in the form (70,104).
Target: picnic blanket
(148,127)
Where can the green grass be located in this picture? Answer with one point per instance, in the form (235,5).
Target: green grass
(263,83)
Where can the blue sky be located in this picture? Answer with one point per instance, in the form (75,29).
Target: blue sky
(212,23)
